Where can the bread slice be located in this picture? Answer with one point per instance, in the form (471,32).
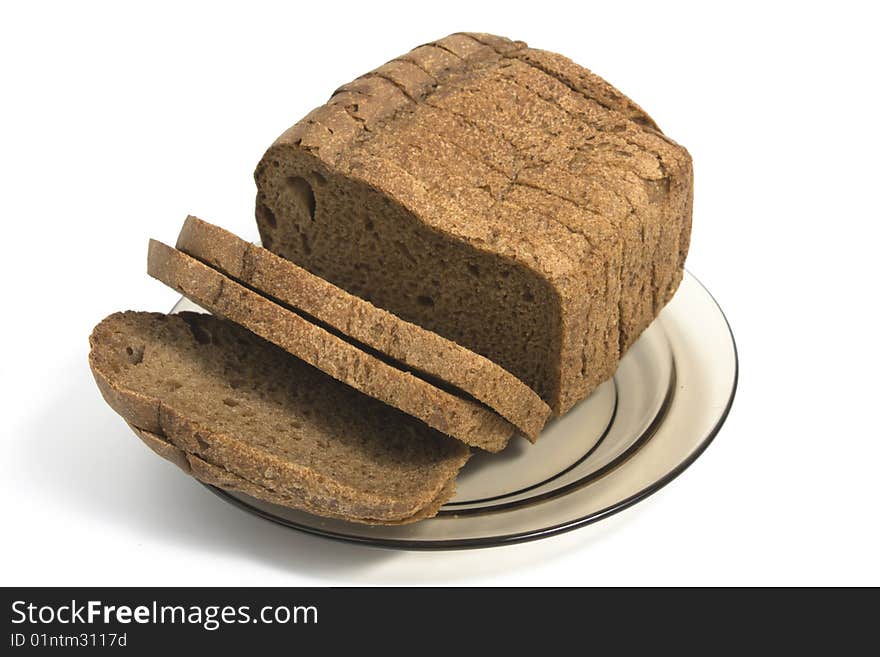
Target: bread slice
(409,344)
(466,420)
(501,196)
(236,411)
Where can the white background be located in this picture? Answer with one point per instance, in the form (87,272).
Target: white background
(117,122)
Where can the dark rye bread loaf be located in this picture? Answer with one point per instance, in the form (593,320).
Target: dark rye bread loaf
(461,418)
(238,412)
(411,345)
(501,196)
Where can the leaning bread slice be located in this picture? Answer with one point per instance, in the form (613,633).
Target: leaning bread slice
(238,412)
(469,421)
(408,343)
(219,477)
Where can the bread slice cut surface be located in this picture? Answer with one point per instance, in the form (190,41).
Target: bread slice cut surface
(239,412)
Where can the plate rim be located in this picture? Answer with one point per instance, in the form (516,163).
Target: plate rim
(435,545)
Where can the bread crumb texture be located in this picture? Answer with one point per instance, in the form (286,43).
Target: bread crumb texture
(222,400)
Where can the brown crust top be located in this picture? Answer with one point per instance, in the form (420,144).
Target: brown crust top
(412,345)
(455,416)
(458,86)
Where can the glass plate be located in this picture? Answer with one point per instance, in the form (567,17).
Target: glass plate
(633,435)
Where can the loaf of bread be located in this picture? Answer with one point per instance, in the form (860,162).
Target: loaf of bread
(458,244)
(461,418)
(501,196)
(407,344)
(237,412)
